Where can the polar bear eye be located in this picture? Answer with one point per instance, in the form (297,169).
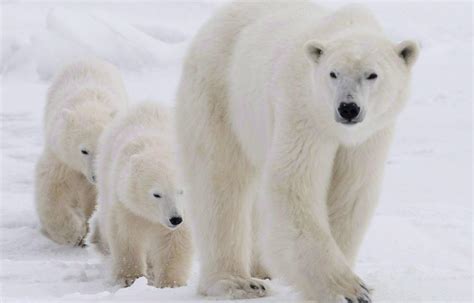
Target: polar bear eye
(372,76)
(333,75)
(84,152)
(158,196)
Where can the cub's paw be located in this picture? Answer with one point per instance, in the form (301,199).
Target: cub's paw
(81,243)
(126,281)
(72,232)
(77,234)
(237,288)
(169,284)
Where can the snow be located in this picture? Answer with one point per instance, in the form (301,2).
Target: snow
(419,246)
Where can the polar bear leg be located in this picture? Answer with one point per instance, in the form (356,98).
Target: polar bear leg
(223,232)
(95,238)
(87,198)
(220,207)
(170,257)
(258,269)
(126,246)
(301,246)
(354,190)
(56,203)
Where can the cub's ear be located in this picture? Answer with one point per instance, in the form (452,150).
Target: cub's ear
(314,50)
(408,51)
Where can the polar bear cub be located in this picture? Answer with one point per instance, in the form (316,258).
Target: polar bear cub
(139,217)
(81,101)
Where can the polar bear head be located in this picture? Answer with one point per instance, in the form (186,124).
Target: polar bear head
(361,78)
(149,189)
(82,127)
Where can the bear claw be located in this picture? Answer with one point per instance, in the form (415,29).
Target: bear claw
(361,298)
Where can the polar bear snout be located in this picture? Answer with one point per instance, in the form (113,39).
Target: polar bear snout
(348,113)
(175,221)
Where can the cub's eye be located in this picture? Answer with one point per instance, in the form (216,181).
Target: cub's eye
(84,152)
(372,76)
(333,75)
(158,196)
(180,192)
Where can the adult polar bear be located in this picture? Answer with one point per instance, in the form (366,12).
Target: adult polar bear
(299,104)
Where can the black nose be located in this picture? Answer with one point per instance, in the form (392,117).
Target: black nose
(348,111)
(176,220)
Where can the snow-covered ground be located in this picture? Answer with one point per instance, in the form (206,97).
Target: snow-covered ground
(419,247)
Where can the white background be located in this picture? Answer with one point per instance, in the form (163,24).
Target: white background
(419,246)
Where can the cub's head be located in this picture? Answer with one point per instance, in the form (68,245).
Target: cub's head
(149,189)
(362,78)
(82,127)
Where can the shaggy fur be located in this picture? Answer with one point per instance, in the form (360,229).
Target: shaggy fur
(138,195)
(81,101)
(257,116)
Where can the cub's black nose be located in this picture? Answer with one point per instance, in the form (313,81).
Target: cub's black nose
(348,111)
(176,220)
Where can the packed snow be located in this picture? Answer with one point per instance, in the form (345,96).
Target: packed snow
(419,246)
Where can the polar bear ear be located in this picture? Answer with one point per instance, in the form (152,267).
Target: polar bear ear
(314,50)
(408,51)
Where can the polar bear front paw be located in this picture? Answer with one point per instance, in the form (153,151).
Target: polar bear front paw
(363,296)
(353,290)
(237,288)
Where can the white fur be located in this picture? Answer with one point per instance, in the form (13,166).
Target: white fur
(81,101)
(137,160)
(257,113)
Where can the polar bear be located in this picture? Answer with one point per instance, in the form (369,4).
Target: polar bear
(81,101)
(139,217)
(294,104)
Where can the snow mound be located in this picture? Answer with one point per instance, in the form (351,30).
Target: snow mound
(71,34)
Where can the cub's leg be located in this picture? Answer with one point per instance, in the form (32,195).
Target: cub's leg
(128,240)
(56,188)
(170,256)
(87,198)
(354,191)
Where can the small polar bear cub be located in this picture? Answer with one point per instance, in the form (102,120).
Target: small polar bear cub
(139,217)
(82,100)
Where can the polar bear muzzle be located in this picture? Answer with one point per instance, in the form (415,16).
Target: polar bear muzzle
(349,113)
